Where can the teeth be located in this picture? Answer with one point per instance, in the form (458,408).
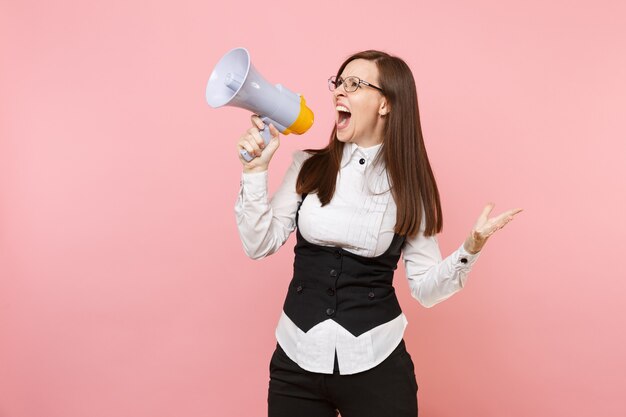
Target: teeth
(342,108)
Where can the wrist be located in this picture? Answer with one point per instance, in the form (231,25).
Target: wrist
(254,170)
(472,246)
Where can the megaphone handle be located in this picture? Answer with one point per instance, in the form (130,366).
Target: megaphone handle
(265,134)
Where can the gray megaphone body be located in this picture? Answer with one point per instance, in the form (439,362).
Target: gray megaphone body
(235,82)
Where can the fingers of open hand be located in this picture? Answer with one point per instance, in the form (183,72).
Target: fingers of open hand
(486,211)
(493,225)
(501,220)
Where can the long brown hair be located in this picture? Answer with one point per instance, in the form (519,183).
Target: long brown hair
(402,151)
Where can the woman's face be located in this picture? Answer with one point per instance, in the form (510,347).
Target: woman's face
(363,123)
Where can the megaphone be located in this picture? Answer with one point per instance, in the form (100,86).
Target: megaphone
(235,82)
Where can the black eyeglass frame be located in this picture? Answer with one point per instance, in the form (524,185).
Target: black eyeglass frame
(332,84)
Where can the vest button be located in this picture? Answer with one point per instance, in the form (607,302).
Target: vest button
(371,294)
(333,273)
(299,288)
(330,311)
(337,254)
(330,291)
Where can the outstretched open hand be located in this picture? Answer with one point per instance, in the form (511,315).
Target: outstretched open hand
(485,227)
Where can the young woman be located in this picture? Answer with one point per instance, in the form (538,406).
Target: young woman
(357,204)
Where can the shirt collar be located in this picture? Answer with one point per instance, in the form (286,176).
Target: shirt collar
(353,151)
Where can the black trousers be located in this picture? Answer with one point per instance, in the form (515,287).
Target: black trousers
(387,390)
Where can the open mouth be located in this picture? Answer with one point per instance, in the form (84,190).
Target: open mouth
(343,118)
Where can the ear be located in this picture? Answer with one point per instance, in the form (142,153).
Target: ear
(384,107)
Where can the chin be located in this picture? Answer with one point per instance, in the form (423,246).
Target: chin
(343,137)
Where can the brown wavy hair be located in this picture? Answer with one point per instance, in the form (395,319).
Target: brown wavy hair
(412,181)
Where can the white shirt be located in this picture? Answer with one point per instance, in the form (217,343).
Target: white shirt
(360,218)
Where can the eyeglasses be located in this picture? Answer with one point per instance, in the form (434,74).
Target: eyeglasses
(350,84)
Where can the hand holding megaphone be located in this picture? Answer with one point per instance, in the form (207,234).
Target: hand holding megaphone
(255,145)
(235,82)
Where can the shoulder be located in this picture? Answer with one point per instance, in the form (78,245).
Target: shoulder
(299,157)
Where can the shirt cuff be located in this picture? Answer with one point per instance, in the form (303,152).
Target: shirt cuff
(464,259)
(254,185)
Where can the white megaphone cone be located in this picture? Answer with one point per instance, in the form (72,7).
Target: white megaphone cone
(235,82)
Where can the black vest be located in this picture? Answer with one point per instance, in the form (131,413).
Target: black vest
(353,290)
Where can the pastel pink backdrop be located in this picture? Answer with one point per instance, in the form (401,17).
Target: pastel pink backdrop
(124,290)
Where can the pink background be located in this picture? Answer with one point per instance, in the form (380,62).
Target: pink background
(124,290)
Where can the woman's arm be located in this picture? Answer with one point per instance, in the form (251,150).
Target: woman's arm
(265,225)
(432,279)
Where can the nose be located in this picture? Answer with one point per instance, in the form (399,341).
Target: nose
(339,91)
